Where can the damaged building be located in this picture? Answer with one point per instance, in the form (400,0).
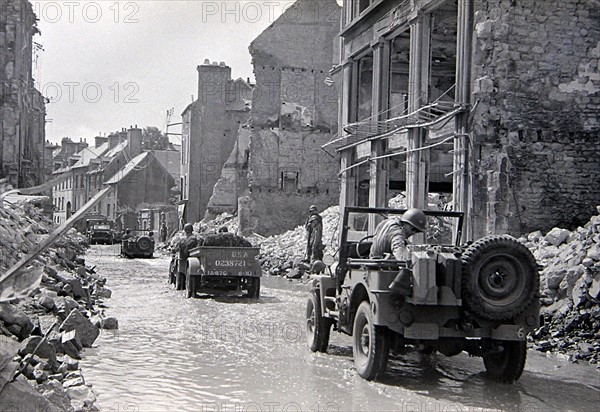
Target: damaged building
(209,134)
(494,103)
(277,168)
(22,107)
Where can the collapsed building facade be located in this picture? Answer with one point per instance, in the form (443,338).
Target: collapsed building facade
(22,107)
(495,103)
(209,132)
(277,168)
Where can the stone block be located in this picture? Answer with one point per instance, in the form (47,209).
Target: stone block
(71,344)
(44,349)
(81,396)
(84,329)
(557,236)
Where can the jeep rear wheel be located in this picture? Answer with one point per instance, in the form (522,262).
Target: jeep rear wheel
(370,344)
(500,277)
(317,327)
(507,365)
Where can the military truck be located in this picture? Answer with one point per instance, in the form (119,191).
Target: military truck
(481,297)
(224,263)
(101,232)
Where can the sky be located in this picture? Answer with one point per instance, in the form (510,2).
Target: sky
(109,64)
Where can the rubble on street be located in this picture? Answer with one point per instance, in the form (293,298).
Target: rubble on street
(570,290)
(44,333)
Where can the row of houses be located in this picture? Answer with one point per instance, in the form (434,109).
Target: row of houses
(137,177)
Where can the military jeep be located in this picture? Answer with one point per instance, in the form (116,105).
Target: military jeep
(138,246)
(481,298)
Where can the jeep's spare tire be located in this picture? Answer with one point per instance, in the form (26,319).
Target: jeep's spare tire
(500,277)
(144,243)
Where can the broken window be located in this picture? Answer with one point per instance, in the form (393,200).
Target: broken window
(288,181)
(399,64)
(363,95)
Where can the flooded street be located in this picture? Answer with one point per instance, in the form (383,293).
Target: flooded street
(176,354)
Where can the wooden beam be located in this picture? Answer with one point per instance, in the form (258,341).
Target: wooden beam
(29,258)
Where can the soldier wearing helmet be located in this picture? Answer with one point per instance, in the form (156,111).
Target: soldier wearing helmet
(391,234)
(314,233)
(189,242)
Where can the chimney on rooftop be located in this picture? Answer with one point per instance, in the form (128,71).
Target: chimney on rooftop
(134,141)
(113,140)
(99,141)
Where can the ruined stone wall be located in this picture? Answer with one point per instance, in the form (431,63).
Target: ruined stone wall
(22,108)
(214,122)
(294,112)
(536,126)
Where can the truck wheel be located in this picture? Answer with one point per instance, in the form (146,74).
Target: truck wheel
(180,281)
(253,288)
(500,277)
(190,286)
(370,344)
(507,366)
(317,327)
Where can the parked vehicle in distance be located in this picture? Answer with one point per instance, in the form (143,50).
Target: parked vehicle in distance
(138,245)
(481,298)
(101,232)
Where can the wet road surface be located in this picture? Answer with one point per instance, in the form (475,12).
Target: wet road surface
(232,354)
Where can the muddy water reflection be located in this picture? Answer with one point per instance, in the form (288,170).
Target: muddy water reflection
(177,354)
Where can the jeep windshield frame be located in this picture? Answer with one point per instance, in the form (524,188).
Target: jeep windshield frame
(386,213)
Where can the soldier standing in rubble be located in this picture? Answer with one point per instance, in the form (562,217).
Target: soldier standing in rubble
(314,233)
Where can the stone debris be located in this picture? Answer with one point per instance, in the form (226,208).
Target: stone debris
(570,290)
(44,331)
(282,254)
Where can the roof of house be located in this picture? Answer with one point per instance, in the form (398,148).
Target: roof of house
(88,154)
(113,152)
(135,164)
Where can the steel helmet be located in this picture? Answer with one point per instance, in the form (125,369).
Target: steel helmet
(312,208)
(416,218)
(188,228)
(318,266)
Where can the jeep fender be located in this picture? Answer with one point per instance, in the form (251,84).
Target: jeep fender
(359,294)
(194,267)
(326,285)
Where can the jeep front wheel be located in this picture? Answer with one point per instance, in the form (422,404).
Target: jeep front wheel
(500,277)
(508,364)
(370,344)
(180,281)
(317,327)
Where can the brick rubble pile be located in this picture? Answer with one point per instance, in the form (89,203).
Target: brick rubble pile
(570,290)
(44,333)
